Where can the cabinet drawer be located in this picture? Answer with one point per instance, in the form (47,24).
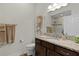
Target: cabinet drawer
(38,41)
(44,43)
(50,46)
(65,52)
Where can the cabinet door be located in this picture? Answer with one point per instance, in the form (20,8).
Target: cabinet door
(50,52)
(40,50)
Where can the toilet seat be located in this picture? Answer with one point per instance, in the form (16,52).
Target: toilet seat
(30,45)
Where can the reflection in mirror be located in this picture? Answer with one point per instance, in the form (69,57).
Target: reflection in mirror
(57,22)
(39,24)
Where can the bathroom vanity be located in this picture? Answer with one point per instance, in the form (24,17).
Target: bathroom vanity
(56,45)
(53,47)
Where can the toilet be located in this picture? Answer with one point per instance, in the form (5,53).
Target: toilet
(30,49)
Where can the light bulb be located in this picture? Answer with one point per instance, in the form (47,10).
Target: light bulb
(64,4)
(49,7)
(55,6)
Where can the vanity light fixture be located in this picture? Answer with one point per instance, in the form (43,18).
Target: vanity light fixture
(54,6)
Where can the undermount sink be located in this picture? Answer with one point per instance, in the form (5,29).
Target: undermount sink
(47,37)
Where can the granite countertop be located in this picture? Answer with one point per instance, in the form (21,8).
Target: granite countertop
(61,42)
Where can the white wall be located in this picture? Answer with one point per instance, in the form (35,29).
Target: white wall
(23,16)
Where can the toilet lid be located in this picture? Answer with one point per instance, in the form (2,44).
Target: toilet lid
(30,45)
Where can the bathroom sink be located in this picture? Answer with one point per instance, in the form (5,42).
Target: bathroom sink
(47,37)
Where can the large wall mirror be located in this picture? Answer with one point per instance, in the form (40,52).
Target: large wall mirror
(58,23)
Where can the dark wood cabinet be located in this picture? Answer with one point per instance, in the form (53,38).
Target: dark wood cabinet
(40,50)
(50,46)
(50,49)
(50,52)
(64,51)
(44,48)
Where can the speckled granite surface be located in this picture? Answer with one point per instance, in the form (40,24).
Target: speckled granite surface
(64,43)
